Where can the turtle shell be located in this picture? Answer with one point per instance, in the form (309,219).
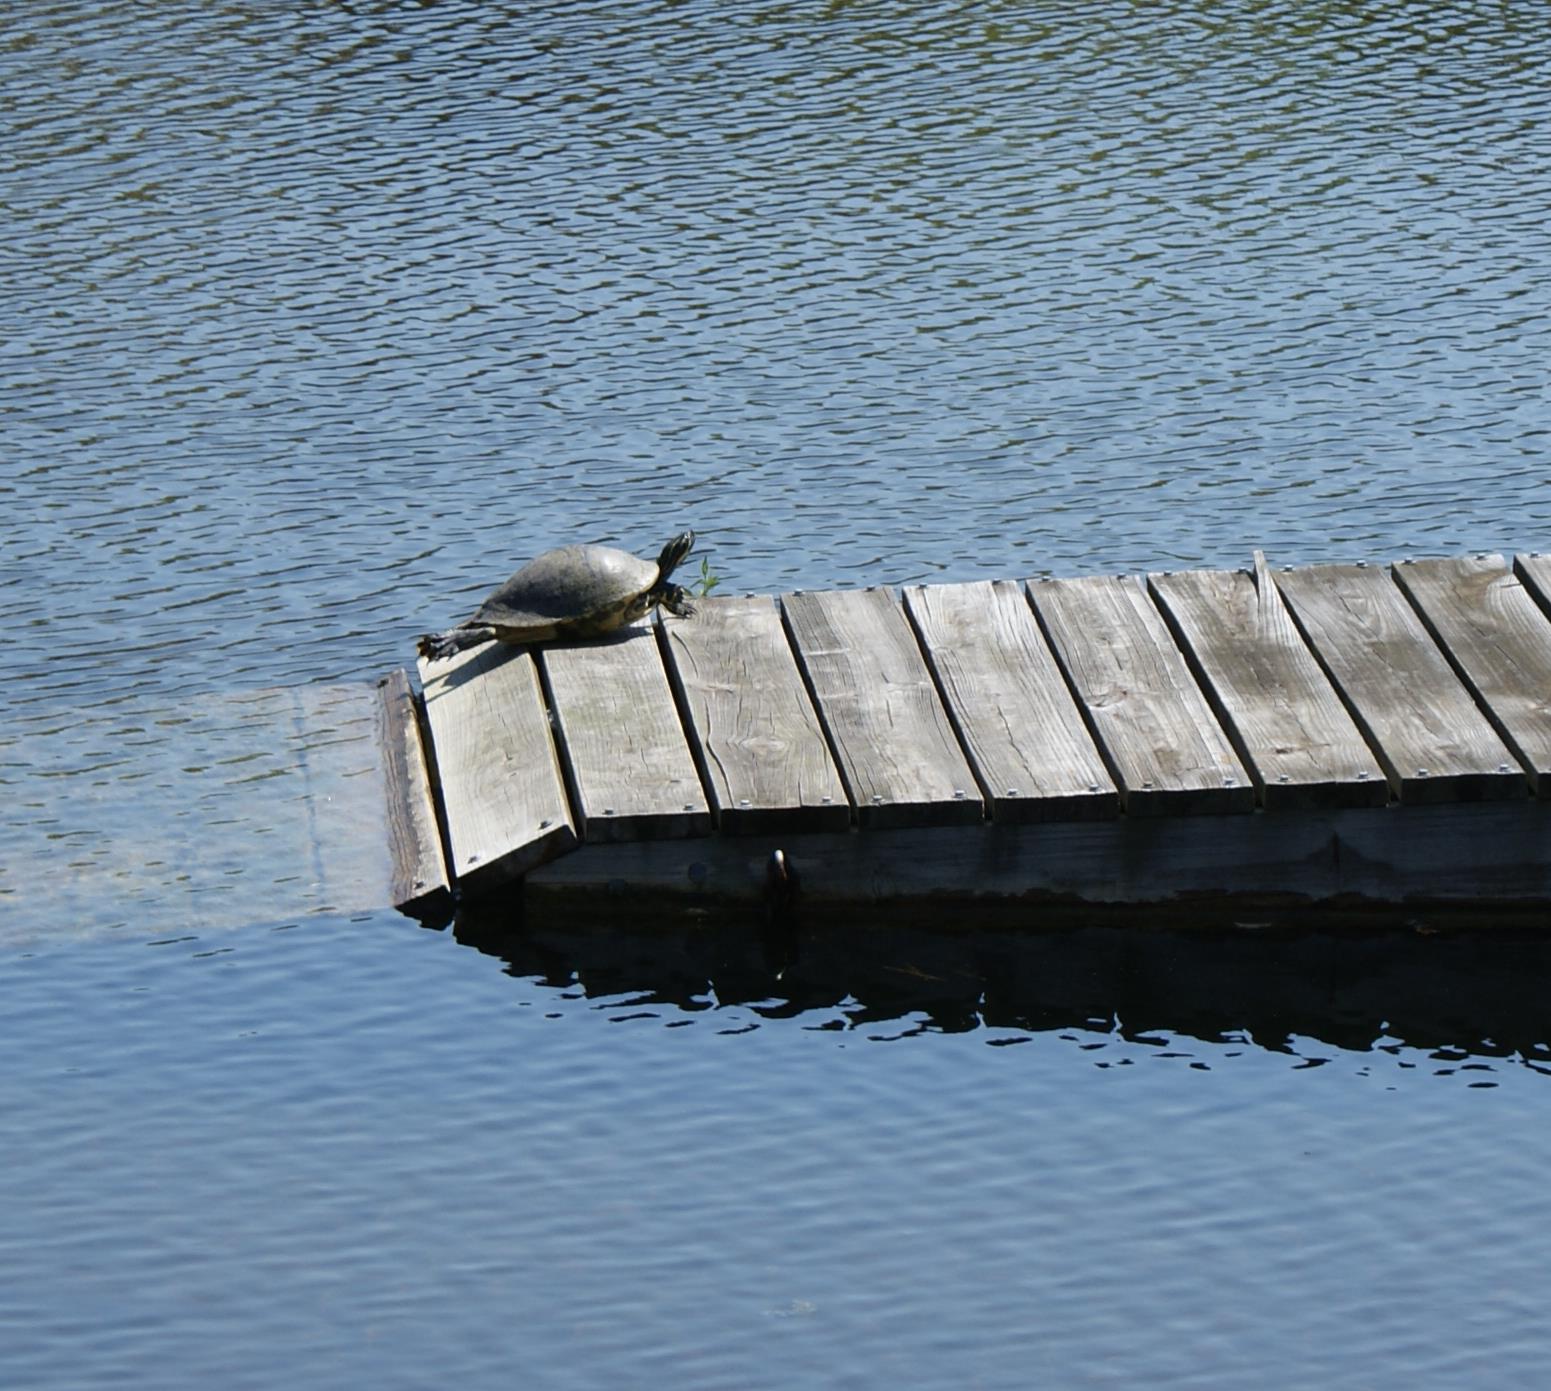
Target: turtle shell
(573,589)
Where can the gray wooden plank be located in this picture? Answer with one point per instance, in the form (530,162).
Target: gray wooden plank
(631,773)
(1287,722)
(1169,754)
(1434,743)
(1534,569)
(1499,639)
(502,792)
(1015,717)
(892,738)
(761,750)
(420,885)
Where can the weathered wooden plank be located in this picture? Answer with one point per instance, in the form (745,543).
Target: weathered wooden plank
(1434,743)
(621,739)
(1169,753)
(1024,734)
(896,748)
(420,885)
(1534,569)
(1488,853)
(502,791)
(1499,639)
(762,753)
(1287,722)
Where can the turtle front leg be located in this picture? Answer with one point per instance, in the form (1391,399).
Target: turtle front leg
(675,598)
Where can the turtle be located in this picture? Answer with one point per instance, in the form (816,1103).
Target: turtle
(572,591)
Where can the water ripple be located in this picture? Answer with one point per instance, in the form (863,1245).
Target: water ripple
(324,320)
(321,318)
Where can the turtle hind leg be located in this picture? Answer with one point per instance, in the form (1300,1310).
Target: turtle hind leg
(440,646)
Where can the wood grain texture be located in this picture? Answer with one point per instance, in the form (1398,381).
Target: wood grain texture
(502,791)
(1288,724)
(420,885)
(1499,640)
(1024,734)
(895,745)
(1168,751)
(621,740)
(1534,570)
(1434,743)
(761,750)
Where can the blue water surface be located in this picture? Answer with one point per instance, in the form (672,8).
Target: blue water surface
(349,1151)
(322,318)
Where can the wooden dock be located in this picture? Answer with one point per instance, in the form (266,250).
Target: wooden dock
(1336,734)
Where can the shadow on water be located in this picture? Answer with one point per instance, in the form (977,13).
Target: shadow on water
(1454,983)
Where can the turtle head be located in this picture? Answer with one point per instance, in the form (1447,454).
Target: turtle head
(673,553)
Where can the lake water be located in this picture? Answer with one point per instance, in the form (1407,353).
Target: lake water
(321,318)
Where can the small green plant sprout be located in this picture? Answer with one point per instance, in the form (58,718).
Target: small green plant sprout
(708,580)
